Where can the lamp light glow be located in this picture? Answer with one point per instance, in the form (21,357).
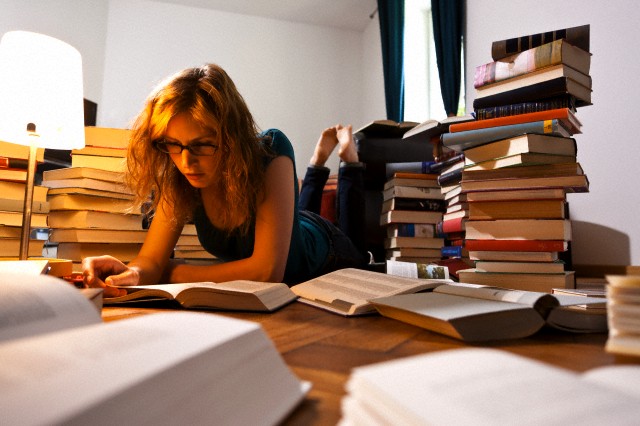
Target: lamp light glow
(41,101)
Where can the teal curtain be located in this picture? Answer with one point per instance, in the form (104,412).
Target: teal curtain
(448,18)
(391,17)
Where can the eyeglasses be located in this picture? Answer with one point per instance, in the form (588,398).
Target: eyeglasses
(199,149)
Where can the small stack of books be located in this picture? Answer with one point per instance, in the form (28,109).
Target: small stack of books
(412,206)
(520,161)
(13,175)
(623,311)
(91,211)
(189,249)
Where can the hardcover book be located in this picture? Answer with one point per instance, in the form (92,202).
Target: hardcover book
(170,366)
(240,295)
(535,77)
(526,143)
(538,91)
(429,388)
(461,141)
(519,229)
(566,115)
(546,55)
(577,36)
(481,313)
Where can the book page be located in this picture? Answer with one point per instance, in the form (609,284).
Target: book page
(487,387)
(529,298)
(170,368)
(36,304)
(351,288)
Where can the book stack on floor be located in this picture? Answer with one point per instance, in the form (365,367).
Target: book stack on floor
(189,249)
(13,175)
(412,206)
(519,167)
(387,147)
(91,208)
(623,311)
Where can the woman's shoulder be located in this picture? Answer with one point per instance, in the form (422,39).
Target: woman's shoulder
(279,142)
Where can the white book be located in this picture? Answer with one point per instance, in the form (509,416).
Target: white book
(61,364)
(489,387)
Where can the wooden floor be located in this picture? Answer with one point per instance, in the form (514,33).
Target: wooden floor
(322,348)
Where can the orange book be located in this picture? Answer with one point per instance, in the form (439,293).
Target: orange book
(563,114)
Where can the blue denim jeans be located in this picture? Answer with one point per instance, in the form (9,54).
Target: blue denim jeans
(347,237)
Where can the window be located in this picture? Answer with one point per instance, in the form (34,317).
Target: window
(422,96)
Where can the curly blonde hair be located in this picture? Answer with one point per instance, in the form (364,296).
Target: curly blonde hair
(211,98)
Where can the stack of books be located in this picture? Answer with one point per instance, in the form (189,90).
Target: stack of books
(189,249)
(412,206)
(623,311)
(449,166)
(13,175)
(519,165)
(91,208)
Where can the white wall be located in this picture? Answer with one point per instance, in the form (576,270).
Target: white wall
(299,78)
(296,77)
(605,221)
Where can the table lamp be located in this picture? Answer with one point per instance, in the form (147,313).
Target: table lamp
(41,102)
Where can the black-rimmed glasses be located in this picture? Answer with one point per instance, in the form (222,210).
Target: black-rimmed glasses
(199,149)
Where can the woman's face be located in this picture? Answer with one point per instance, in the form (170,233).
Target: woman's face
(200,170)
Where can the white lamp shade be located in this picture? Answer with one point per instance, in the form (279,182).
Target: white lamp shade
(40,83)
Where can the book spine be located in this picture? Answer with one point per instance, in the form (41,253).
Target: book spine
(410,167)
(437,167)
(451,226)
(525,62)
(564,101)
(411,230)
(13,163)
(470,138)
(561,114)
(450,177)
(577,36)
(452,251)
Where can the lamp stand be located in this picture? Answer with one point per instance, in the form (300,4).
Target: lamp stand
(28,192)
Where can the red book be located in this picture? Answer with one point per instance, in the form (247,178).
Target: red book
(452,225)
(565,115)
(516,245)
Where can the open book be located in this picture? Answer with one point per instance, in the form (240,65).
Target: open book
(489,387)
(473,312)
(348,291)
(232,295)
(61,364)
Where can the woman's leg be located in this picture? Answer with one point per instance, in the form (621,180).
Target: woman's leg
(315,178)
(350,198)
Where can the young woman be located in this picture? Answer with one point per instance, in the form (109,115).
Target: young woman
(197,149)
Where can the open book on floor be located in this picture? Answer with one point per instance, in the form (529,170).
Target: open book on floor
(62,365)
(348,291)
(237,295)
(489,387)
(479,313)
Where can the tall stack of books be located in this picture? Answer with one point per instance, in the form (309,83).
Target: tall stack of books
(412,206)
(13,175)
(520,161)
(91,212)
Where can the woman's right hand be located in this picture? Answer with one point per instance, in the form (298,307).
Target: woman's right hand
(106,272)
